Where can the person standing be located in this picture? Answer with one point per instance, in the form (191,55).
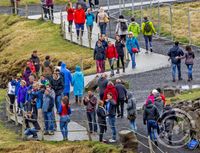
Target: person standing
(50,6)
(122,97)
(121,28)
(89,22)
(78,84)
(36,61)
(110,89)
(90,102)
(120,47)
(102,20)
(134,27)
(67,79)
(21,96)
(44,8)
(175,55)
(64,112)
(158,102)
(132,47)
(47,67)
(79,19)
(148,30)
(111,113)
(111,54)
(131,111)
(70,15)
(11,93)
(102,84)
(189,61)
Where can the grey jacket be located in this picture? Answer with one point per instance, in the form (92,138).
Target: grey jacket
(131,105)
(159,104)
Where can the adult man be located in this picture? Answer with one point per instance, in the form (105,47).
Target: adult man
(90,102)
(134,27)
(175,54)
(36,61)
(102,84)
(148,30)
(122,96)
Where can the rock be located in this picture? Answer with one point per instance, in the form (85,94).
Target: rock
(92,85)
(171,92)
(196,105)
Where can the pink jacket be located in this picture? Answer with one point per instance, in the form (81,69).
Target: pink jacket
(150,97)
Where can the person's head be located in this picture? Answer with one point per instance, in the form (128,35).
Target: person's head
(99,43)
(100,103)
(101,9)
(176,43)
(154,92)
(47,57)
(145,18)
(23,83)
(59,63)
(42,77)
(104,75)
(110,96)
(118,81)
(88,10)
(188,48)
(90,93)
(35,85)
(42,88)
(109,43)
(117,37)
(159,90)
(110,83)
(121,17)
(31,78)
(130,34)
(133,19)
(79,6)
(65,101)
(35,53)
(28,69)
(55,75)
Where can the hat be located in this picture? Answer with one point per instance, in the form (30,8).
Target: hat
(154,91)
(130,33)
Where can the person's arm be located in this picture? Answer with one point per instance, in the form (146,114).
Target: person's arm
(69,111)
(152,26)
(117,28)
(137,44)
(144,117)
(143,25)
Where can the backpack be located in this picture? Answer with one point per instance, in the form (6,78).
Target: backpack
(123,26)
(189,59)
(147,27)
(193,144)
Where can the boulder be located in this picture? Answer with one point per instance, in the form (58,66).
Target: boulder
(171,92)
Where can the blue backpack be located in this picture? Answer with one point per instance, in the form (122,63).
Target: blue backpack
(193,144)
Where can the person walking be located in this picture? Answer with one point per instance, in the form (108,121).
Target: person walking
(78,84)
(131,111)
(101,113)
(89,22)
(121,28)
(100,57)
(79,19)
(134,27)
(150,117)
(102,84)
(90,101)
(120,47)
(64,112)
(158,102)
(189,61)
(111,113)
(36,62)
(175,55)
(111,54)
(110,89)
(102,20)
(70,15)
(50,7)
(122,97)
(132,47)
(148,30)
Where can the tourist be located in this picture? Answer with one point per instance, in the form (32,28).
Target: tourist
(30,87)
(134,27)
(132,112)
(11,94)
(162,95)
(89,22)
(79,19)
(44,8)
(121,28)
(122,97)
(91,4)
(111,113)
(26,75)
(50,7)
(47,67)
(101,113)
(36,61)
(100,57)
(150,118)
(110,89)
(120,47)
(70,15)
(64,112)
(102,84)
(78,84)
(151,96)
(21,97)
(57,84)
(158,102)
(102,20)
(104,41)
(175,55)
(31,66)
(148,30)
(132,47)
(111,54)
(189,61)
(90,101)
(67,79)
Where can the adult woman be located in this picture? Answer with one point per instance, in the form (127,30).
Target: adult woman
(102,20)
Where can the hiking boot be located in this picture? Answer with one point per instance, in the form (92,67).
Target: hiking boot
(112,141)
(117,71)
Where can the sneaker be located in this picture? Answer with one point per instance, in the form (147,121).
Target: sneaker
(112,141)
(151,50)
(51,133)
(46,133)
(156,143)
(117,72)
(123,70)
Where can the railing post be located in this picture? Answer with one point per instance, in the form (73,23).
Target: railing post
(8,108)
(71,35)
(26,10)
(189,27)
(15,5)
(80,36)
(158,18)
(88,132)
(171,22)
(42,13)
(51,15)
(15,113)
(141,12)
(120,10)
(150,145)
(133,7)
(23,123)
(89,37)
(64,28)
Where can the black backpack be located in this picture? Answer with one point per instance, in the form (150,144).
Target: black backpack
(123,26)
(147,27)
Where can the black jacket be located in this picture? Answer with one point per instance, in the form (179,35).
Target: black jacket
(36,62)
(174,52)
(57,85)
(111,108)
(121,90)
(102,84)
(101,113)
(99,53)
(120,48)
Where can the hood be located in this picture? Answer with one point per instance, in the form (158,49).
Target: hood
(157,95)
(130,95)
(149,103)
(63,65)
(174,48)
(78,68)
(122,20)
(110,86)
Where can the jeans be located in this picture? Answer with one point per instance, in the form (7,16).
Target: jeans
(133,125)
(102,26)
(111,62)
(91,116)
(44,10)
(174,70)
(189,67)
(78,28)
(64,120)
(58,102)
(152,129)
(30,131)
(100,66)
(89,28)
(120,107)
(133,60)
(122,61)
(70,26)
(48,121)
(148,41)
(111,121)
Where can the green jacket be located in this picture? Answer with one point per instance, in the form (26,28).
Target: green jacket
(134,28)
(153,31)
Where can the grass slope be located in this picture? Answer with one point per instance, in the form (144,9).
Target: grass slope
(19,37)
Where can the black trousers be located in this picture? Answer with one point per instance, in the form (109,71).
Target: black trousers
(102,130)
(12,101)
(120,107)
(50,12)
(120,58)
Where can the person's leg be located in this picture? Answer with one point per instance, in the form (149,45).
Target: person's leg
(173,72)
(113,128)
(44,10)
(94,121)
(133,60)
(89,117)
(46,123)
(179,71)
(150,43)
(122,61)
(98,66)
(101,130)
(105,26)
(101,28)
(101,66)
(133,125)
(52,16)
(12,101)
(189,72)
(111,66)
(118,110)
(62,127)
(146,42)
(70,26)
(50,121)
(122,108)
(149,129)
(82,29)
(118,64)
(77,30)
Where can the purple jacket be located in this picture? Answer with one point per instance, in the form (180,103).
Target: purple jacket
(49,2)
(21,97)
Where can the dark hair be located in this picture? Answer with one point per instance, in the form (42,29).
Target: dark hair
(57,70)
(159,90)
(121,17)
(188,48)
(59,63)
(28,68)
(133,19)
(65,100)
(176,43)
(43,87)
(35,51)
(146,18)
(47,57)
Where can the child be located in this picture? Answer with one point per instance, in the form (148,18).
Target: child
(101,113)
(189,61)
(64,112)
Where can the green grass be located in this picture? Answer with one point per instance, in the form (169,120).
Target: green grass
(2,94)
